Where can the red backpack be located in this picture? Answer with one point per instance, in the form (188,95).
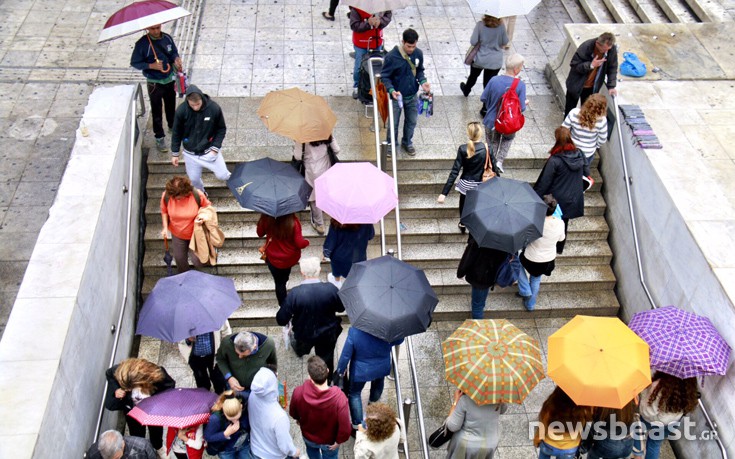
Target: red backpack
(510,119)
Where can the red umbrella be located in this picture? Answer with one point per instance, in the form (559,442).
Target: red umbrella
(139,16)
(179,408)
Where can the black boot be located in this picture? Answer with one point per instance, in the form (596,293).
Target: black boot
(464,89)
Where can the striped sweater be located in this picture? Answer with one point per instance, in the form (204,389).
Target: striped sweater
(587,140)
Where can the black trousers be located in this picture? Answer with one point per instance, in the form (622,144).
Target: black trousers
(160,95)
(560,244)
(333,7)
(462,198)
(280,278)
(573,98)
(323,347)
(475,72)
(138,430)
(206,372)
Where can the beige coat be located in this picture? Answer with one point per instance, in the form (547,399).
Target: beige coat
(386,449)
(207,236)
(185,349)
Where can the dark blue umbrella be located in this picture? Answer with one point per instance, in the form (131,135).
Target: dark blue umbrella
(504,214)
(187,304)
(269,187)
(388,298)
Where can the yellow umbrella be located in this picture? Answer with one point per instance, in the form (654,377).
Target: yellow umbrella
(599,361)
(298,115)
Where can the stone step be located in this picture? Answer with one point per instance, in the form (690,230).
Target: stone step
(677,11)
(409,181)
(575,11)
(239,260)
(416,231)
(411,206)
(622,11)
(443,281)
(649,11)
(597,11)
(501,304)
(710,10)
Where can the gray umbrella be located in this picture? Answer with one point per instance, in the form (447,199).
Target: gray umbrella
(504,214)
(388,298)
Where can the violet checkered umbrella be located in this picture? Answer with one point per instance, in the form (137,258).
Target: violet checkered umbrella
(179,408)
(682,343)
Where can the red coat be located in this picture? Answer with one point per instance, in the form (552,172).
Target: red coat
(363,35)
(324,416)
(191,453)
(284,253)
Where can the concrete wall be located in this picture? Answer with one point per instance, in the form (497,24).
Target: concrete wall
(57,343)
(677,273)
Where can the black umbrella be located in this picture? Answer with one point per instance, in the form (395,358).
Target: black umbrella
(388,298)
(504,214)
(167,258)
(270,187)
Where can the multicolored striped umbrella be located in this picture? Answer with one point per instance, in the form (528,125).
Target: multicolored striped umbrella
(682,343)
(177,408)
(492,361)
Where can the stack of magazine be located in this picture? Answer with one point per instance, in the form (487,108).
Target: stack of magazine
(642,131)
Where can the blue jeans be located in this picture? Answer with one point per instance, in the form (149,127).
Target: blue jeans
(242,453)
(355,398)
(479,296)
(409,124)
(611,449)
(359,53)
(547,452)
(317,451)
(528,286)
(655,436)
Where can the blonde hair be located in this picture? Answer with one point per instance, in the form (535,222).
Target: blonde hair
(474,134)
(594,108)
(229,403)
(140,373)
(491,21)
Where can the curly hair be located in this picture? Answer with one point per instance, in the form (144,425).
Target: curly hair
(140,373)
(179,186)
(560,407)
(594,108)
(675,395)
(381,422)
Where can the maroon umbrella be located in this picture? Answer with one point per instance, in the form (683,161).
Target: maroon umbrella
(139,16)
(179,408)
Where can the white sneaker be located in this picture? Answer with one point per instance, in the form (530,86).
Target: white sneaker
(333,281)
(162,453)
(500,166)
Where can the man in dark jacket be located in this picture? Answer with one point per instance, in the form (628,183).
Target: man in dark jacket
(199,126)
(479,266)
(312,308)
(402,73)
(112,445)
(594,63)
(321,411)
(156,55)
(240,356)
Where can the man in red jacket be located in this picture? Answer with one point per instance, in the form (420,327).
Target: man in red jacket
(322,412)
(367,34)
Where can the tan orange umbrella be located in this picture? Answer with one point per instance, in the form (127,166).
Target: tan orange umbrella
(599,361)
(298,115)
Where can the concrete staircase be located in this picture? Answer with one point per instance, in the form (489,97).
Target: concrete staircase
(583,281)
(646,11)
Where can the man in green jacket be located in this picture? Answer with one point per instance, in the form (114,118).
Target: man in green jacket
(240,356)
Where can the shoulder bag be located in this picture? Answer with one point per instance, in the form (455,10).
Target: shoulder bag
(263,248)
(442,435)
(487,172)
(469,56)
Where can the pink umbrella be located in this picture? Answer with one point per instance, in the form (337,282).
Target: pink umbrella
(179,408)
(139,16)
(355,193)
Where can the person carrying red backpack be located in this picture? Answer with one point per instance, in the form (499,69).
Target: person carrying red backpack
(502,111)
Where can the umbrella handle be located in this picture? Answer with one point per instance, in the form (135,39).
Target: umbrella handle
(167,69)
(165,243)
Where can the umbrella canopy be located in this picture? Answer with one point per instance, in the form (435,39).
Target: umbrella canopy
(177,408)
(376,6)
(599,361)
(270,187)
(139,16)
(682,343)
(388,298)
(492,361)
(298,115)
(502,8)
(355,193)
(187,304)
(504,214)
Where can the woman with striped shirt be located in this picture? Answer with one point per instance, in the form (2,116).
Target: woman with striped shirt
(589,125)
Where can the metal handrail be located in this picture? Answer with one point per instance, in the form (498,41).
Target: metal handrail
(134,114)
(641,274)
(408,340)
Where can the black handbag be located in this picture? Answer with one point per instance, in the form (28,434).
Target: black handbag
(440,436)
(298,164)
(332,156)
(342,381)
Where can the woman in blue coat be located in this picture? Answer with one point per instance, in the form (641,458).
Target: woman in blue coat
(369,360)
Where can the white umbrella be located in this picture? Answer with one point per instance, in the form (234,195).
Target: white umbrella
(139,16)
(502,8)
(376,6)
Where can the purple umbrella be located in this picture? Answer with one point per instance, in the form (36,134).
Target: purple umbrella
(682,343)
(179,408)
(187,304)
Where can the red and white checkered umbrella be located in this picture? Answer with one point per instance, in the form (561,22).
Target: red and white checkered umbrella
(139,16)
(177,408)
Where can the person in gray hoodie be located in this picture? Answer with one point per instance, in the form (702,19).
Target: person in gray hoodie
(269,424)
